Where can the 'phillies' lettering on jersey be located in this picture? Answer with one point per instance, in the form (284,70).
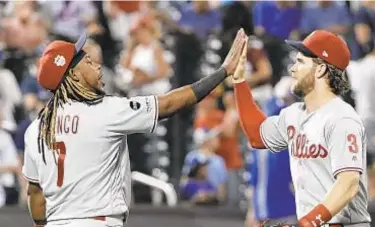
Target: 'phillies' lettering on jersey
(321,145)
(300,148)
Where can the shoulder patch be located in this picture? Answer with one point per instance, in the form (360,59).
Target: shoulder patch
(134,105)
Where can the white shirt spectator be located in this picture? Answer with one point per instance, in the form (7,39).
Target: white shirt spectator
(8,158)
(10,97)
(362,78)
(144,59)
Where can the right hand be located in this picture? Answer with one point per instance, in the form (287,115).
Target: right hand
(239,73)
(233,56)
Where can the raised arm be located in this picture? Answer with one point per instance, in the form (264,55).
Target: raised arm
(251,117)
(189,95)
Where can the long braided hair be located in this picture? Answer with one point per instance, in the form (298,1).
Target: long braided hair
(69,90)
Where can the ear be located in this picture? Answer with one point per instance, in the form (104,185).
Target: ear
(321,71)
(74,74)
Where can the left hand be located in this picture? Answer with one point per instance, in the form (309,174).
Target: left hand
(239,73)
(233,57)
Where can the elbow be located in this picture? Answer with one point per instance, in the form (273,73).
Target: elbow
(352,185)
(252,131)
(354,189)
(257,144)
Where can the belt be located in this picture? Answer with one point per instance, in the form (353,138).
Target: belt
(100,218)
(104,218)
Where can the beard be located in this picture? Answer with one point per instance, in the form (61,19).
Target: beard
(304,86)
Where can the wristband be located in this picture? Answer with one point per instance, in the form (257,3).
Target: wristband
(317,217)
(204,86)
(40,223)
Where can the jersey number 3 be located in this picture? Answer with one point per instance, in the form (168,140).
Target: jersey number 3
(60,162)
(352,139)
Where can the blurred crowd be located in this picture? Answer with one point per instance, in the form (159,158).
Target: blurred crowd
(151,47)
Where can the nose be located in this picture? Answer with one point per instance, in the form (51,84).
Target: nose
(292,68)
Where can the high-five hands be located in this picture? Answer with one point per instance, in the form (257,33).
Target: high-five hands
(239,73)
(231,61)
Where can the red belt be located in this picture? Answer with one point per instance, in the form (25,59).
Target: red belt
(99,218)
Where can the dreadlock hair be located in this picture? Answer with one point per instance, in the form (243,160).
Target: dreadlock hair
(337,80)
(69,89)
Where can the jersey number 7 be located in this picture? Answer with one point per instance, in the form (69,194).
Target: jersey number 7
(60,162)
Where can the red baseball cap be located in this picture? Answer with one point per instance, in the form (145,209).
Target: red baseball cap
(57,58)
(325,45)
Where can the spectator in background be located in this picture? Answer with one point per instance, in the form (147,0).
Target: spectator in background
(271,186)
(122,14)
(9,166)
(23,31)
(276,18)
(10,97)
(24,28)
(95,52)
(361,73)
(275,21)
(144,70)
(198,18)
(259,71)
(69,18)
(327,15)
(207,142)
(210,116)
(235,15)
(196,188)
(364,27)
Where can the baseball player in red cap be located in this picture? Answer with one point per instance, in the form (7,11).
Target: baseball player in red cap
(76,159)
(324,135)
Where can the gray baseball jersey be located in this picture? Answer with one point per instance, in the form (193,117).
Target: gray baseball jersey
(90,174)
(321,144)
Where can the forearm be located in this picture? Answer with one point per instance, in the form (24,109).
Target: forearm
(189,95)
(251,117)
(257,80)
(37,205)
(9,169)
(341,193)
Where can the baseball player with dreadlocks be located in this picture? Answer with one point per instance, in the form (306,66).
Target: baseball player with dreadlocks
(76,158)
(324,135)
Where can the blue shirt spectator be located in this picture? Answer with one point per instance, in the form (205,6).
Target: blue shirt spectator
(327,15)
(199,19)
(216,171)
(197,187)
(192,187)
(275,20)
(365,29)
(19,134)
(271,179)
